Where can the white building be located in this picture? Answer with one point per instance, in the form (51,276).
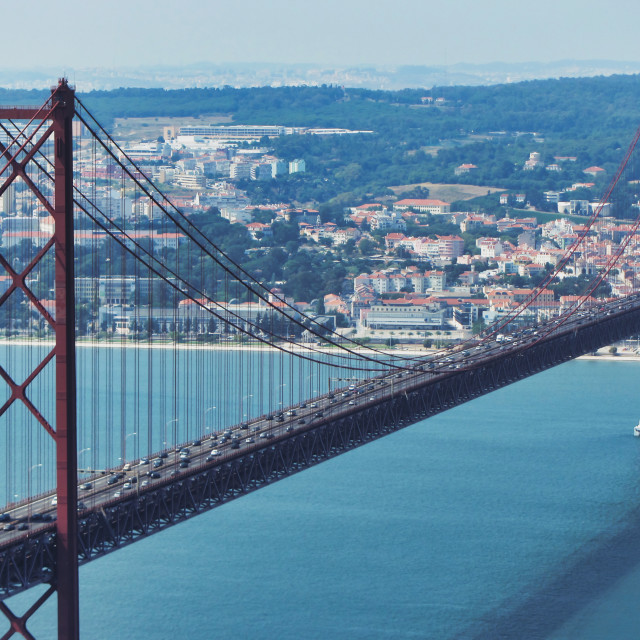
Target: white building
(240,170)
(297,166)
(435,207)
(191,180)
(232,132)
(403,317)
(236,215)
(385,222)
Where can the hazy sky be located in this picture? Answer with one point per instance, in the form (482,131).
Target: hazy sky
(131,33)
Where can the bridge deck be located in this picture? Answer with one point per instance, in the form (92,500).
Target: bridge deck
(329,426)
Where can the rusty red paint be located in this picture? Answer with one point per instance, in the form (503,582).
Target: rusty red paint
(19,623)
(54,119)
(66,437)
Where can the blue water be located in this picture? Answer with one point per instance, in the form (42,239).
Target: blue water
(514,516)
(133,402)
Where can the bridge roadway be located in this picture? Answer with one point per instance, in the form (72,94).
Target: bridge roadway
(122,505)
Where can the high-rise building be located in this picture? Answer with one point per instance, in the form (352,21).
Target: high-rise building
(9,201)
(296,166)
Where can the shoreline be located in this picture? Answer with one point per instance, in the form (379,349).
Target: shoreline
(287,347)
(399,351)
(630,357)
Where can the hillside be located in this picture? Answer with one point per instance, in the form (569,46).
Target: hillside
(420,136)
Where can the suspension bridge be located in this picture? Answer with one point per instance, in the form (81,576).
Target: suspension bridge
(197,383)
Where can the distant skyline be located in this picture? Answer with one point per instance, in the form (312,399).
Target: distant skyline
(139,33)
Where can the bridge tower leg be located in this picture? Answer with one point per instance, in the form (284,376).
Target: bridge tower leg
(66,438)
(57,116)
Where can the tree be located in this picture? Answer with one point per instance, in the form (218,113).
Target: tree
(342,320)
(478,327)
(263,216)
(349,247)
(366,246)
(284,232)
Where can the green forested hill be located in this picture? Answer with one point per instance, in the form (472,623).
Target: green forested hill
(574,107)
(591,118)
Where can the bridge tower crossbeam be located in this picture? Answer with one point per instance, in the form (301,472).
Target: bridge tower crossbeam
(20,158)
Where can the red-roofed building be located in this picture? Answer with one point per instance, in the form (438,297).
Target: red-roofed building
(469,277)
(464,168)
(511,223)
(335,304)
(392,240)
(571,302)
(489,247)
(255,228)
(450,247)
(582,185)
(436,207)
(476,221)
(372,206)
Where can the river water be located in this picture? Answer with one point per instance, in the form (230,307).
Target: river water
(513,516)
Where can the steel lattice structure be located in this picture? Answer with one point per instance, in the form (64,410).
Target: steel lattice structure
(51,123)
